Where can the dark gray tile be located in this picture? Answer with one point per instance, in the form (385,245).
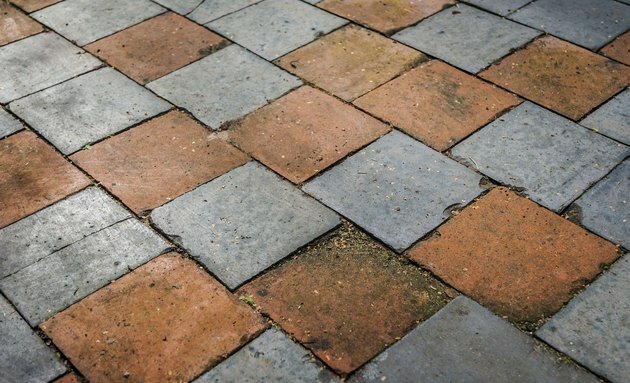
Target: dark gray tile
(613,118)
(501,7)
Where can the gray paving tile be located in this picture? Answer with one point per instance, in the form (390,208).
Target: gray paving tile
(613,118)
(593,328)
(213,9)
(272,357)
(85,21)
(38,62)
(466,37)
(464,342)
(64,277)
(88,108)
(8,124)
(57,226)
(243,222)
(590,23)
(396,188)
(502,7)
(182,7)
(273,28)
(24,357)
(551,157)
(225,85)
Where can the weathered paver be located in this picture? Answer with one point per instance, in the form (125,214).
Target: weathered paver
(33,5)
(346,297)
(437,103)
(350,61)
(38,62)
(557,159)
(613,118)
(273,28)
(24,356)
(69,378)
(15,25)
(304,132)
(593,328)
(85,21)
(209,10)
(8,124)
(589,23)
(243,222)
(466,37)
(87,108)
(619,49)
(183,7)
(225,85)
(33,176)
(464,342)
(513,256)
(396,188)
(503,7)
(167,321)
(270,357)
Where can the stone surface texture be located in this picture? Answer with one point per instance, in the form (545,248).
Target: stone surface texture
(503,7)
(619,49)
(33,5)
(209,10)
(8,124)
(613,118)
(15,25)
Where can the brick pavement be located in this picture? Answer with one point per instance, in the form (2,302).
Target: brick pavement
(314,191)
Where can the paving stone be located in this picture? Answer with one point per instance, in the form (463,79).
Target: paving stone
(613,118)
(38,62)
(396,188)
(346,297)
(270,357)
(55,227)
(437,103)
(33,5)
(466,37)
(15,25)
(187,154)
(24,357)
(304,132)
(619,49)
(87,108)
(350,61)
(70,274)
(557,159)
(85,21)
(589,23)
(593,328)
(243,222)
(464,342)
(210,10)
(69,378)
(503,7)
(183,7)
(560,76)
(386,16)
(156,47)
(273,28)
(513,256)
(8,124)
(33,176)
(224,86)
(168,321)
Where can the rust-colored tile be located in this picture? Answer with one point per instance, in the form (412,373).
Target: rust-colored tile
(563,77)
(156,47)
(386,16)
(33,5)
(69,378)
(515,257)
(347,297)
(350,61)
(619,49)
(32,176)
(437,103)
(15,25)
(159,160)
(304,132)
(167,321)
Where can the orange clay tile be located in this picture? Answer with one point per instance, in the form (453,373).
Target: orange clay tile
(619,49)
(15,25)
(33,5)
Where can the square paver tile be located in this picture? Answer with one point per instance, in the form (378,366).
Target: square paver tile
(243,222)
(613,118)
(183,7)
(32,176)
(593,328)
(350,61)
(466,37)
(619,49)
(38,62)
(304,132)
(224,86)
(513,256)
(552,159)
(68,378)
(15,25)
(437,103)
(33,5)
(273,28)
(156,47)
(159,160)
(560,76)
(502,7)
(8,124)
(167,321)
(464,342)
(346,297)
(209,10)
(85,21)
(87,108)
(396,188)
(589,23)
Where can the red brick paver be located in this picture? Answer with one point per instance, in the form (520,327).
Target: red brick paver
(33,5)
(15,25)
(69,378)
(619,49)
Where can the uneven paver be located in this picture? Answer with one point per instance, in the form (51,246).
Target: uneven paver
(613,118)
(15,25)
(619,49)
(209,10)
(168,321)
(503,7)
(8,124)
